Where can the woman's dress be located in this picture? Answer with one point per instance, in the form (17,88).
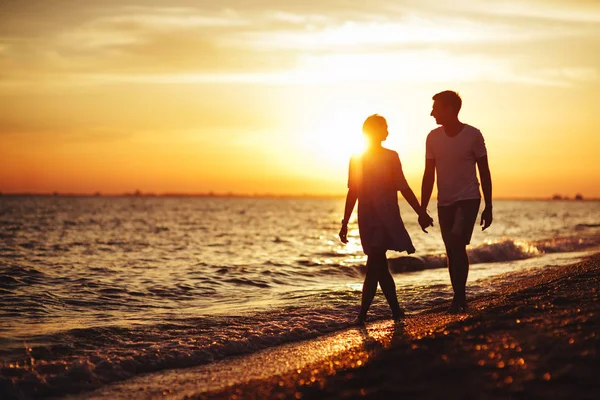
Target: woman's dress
(377,176)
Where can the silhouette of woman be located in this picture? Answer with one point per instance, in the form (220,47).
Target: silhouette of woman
(374,178)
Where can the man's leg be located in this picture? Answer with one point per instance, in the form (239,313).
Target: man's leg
(459,271)
(453,260)
(450,262)
(457,235)
(446,216)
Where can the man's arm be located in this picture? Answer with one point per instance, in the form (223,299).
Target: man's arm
(351,198)
(426,190)
(486,187)
(428,181)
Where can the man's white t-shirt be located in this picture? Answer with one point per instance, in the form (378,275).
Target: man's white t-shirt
(455,163)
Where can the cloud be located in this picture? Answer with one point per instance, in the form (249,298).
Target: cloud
(575,74)
(379,68)
(135,25)
(410,30)
(281,43)
(569,12)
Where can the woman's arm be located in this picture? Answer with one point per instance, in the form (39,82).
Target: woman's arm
(412,200)
(424,219)
(402,185)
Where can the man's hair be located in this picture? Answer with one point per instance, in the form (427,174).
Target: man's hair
(373,124)
(450,98)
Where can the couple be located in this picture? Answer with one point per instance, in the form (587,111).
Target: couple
(452,150)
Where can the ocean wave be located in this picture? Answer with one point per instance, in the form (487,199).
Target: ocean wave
(566,244)
(497,251)
(586,226)
(320,264)
(99,355)
(503,250)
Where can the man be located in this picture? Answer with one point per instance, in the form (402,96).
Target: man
(452,150)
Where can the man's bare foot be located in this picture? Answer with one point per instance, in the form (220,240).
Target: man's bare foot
(457,308)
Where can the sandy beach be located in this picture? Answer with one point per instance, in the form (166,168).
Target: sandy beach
(537,339)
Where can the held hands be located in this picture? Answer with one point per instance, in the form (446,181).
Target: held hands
(344,233)
(486,218)
(425,221)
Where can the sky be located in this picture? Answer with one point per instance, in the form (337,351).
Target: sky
(266,96)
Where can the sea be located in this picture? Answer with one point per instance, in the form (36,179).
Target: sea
(95,290)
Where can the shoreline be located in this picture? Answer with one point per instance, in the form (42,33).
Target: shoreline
(535,339)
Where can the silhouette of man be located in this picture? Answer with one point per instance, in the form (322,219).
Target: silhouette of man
(452,150)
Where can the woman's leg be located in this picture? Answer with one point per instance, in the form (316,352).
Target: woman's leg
(378,272)
(388,286)
(370,283)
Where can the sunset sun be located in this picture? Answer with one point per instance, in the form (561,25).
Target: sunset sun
(337,136)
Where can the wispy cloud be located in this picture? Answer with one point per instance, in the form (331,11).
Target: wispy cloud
(134,25)
(406,67)
(576,74)
(283,44)
(409,30)
(568,11)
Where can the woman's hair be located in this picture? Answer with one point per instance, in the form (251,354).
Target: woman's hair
(375,127)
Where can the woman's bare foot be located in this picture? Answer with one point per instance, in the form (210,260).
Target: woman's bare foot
(398,314)
(361,319)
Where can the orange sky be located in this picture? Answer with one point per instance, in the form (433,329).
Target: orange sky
(269,97)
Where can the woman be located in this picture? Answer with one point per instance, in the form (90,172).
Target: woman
(374,179)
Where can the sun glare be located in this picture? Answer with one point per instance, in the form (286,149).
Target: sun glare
(335,137)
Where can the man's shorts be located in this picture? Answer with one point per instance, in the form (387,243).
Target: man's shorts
(457,220)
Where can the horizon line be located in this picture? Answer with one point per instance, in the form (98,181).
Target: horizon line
(554,197)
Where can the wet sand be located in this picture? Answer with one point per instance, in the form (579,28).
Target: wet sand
(537,339)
